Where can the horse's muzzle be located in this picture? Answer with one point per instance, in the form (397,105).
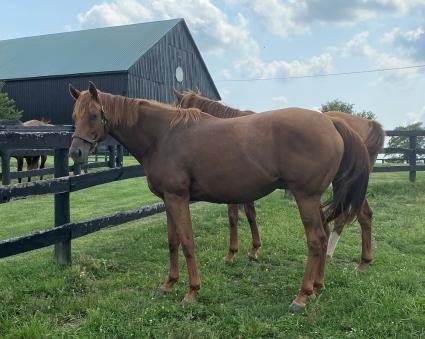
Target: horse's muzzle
(79,152)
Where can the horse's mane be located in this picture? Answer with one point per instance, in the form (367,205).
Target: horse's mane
(184,115)
(123,110)
(212,107)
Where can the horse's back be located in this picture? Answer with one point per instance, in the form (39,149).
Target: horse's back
(35,122)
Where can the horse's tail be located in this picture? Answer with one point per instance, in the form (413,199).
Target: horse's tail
(375,139)
(351,180)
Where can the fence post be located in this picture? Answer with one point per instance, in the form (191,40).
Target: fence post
(119,156)
(62,251)
(111,152)
(412,157)
(5,167)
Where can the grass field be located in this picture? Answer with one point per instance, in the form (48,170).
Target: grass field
(110,291)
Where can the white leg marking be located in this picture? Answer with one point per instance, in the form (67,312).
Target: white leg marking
(333,240)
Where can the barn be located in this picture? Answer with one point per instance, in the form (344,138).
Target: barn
(143,60)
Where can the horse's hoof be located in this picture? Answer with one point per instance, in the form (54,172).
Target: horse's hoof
(252,257)
(164,289)
(227,259)
(188,300)
(312,297)
(362,267)
(296,307)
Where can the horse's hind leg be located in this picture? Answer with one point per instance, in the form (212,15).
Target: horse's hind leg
(20,167)
(233,214)
(309,208)
(43,164)
(365,221)
(335,235)
(173,246)
(252,219)
(320,272)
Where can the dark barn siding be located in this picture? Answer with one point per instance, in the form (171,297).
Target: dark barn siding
(49,98)
(153,75)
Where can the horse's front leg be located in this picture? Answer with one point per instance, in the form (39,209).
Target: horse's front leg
(309,208)
(251,215)
(173,246)
(233,214)
(178,208)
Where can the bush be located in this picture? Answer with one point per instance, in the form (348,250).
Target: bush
(8,110)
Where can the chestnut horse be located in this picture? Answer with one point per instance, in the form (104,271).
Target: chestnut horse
(32,161)
(189,155)
(372,135)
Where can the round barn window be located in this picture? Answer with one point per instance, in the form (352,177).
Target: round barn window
(179,74)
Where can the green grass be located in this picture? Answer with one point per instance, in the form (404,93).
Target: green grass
(110,290)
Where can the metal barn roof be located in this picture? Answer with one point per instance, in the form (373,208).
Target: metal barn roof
(109,49)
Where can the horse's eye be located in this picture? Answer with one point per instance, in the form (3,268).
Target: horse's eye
(93,116)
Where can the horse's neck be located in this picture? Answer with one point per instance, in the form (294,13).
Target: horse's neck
(219,110)
(137,127)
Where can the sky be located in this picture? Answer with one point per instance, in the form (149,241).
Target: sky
(242,41)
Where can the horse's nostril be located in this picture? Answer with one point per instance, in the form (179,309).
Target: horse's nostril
(80,153)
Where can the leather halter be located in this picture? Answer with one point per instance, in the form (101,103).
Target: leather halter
(93,142)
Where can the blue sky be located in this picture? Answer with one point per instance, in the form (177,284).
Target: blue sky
(251,39)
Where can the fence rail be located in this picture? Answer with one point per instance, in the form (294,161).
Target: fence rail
(15,140)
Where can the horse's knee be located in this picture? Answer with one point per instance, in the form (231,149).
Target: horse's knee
(173,246)
(318,245)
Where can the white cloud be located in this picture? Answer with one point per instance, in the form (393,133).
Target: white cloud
(359,46)
(411,42)
(276,16)
(418,116)
(214,32)
(254,67)
(285,18)
(117,12)
(280,99)
(354,11)
(390,36)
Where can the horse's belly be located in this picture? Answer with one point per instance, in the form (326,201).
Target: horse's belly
(232,193)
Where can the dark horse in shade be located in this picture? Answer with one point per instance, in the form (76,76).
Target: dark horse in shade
(189,155)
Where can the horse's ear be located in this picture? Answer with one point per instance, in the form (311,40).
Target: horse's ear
(177,94)
(198,91)
(75,93)
(93,91)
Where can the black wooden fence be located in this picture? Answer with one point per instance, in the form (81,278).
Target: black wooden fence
(59,140)
(62,185)
(111,149)
(411,154)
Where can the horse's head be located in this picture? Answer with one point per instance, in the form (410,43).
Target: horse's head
(186,99)
(90,122)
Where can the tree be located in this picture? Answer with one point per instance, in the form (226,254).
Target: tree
(403,142)
(341,106)
(366,114)
(8,110)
